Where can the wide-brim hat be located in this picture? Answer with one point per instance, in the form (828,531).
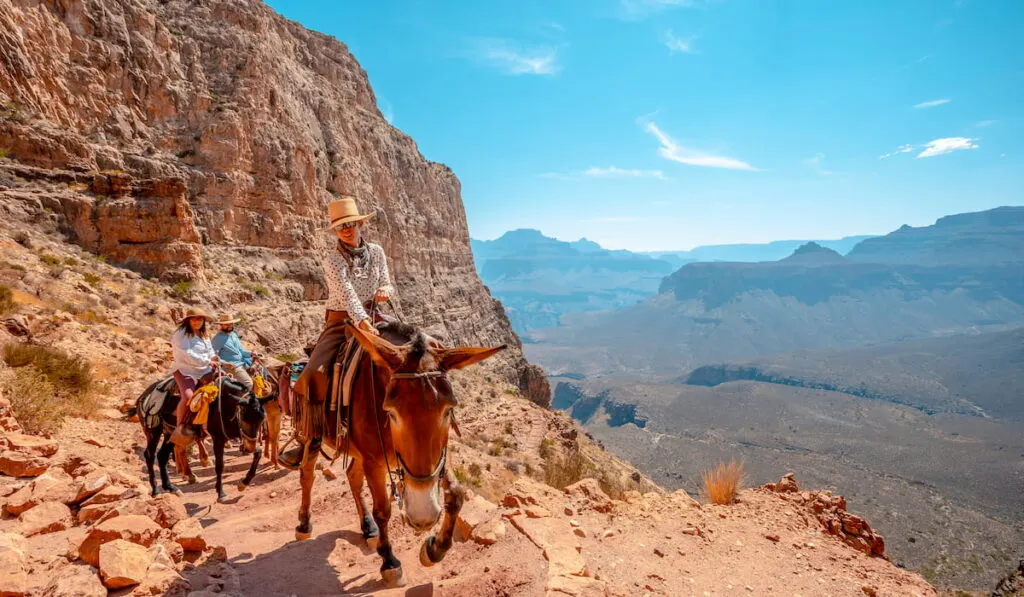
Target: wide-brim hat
(225,319)
(195,312)
(344,210)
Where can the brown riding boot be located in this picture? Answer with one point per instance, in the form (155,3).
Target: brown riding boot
(293,459)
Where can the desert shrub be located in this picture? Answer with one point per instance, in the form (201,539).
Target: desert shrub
(49,259)
(562,470)
(182,289)
(7,304)
(545,448)
(71,261)
(4,152)
(466,477)
(287,357)
(509,429)
(92,279)
(257,289)
(47,386)
(722,483)
(495,450)
(68,373)
(613,485)
(91,318)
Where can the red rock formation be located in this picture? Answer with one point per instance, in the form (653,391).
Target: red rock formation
(162,131)
(831,512)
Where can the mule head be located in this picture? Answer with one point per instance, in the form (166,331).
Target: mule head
(419,403)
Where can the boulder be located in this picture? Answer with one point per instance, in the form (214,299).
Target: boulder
(165,509)
(162,579)
(110,494)
(555,537)
(32,445)
(49,517)
(87,514)
(52,486)
(7,421)
(89,485)
(75,580)
(489,532)
(19,464)
(123,564)
(13,565)
(189,534)
(474,512)
(589,494)
(131,527)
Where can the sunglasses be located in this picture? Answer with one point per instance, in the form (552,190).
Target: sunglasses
(348,225)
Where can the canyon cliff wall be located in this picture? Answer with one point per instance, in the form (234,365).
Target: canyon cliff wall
(186,139)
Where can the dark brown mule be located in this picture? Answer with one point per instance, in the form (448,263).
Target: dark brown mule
(402,408)
(235,414)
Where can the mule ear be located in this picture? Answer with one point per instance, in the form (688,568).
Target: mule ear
(457,358)
(383,353)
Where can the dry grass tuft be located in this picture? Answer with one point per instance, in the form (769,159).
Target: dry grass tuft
(562,470)
(7,304)
(722,483)
(47,386)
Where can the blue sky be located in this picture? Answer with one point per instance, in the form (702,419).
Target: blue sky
(665,124)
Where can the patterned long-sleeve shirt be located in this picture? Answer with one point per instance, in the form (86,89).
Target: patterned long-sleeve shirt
(348,287)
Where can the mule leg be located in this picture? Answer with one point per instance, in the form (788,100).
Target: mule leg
(391,568)
(436,546)
(161,458)
(356,477)
(244,483)
(152,439)
(273,433)
(204,454)
(218,464)
(307,475)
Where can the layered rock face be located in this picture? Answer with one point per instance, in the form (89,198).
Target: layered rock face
(164,132)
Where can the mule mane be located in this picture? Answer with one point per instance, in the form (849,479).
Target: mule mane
(403,334)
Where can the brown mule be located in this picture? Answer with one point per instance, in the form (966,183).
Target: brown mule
(402,409)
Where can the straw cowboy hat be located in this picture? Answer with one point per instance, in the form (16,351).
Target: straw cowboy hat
(225,319)
(195,312)
(344,210)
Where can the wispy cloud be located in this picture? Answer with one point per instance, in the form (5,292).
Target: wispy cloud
(901,149)
(611,220)
(947,145)
(616,172)
(815,163)
(609,172)
(640,9)
(935,147)
(932,103)
(516,59)
(985,123)
(677,45)
(671,150)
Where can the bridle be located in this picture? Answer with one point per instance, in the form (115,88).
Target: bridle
(439,469)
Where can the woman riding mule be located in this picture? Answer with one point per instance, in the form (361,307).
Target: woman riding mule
(194,358)
(357,274)
(401,409)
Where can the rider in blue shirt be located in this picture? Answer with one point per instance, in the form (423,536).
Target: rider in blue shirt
(234,359)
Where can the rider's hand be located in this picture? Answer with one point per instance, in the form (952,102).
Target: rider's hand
(215,361)
(383,295)
(365,326)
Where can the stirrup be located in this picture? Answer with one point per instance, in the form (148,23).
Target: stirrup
(293,459)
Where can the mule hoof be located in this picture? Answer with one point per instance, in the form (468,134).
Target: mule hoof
(393,577)
(373,542)
(242,486)
(204,463)
(177,492)
(192,480)
(424,556)
(301,535)
(222,498)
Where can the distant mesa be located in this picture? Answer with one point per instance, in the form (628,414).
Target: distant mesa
(814,254)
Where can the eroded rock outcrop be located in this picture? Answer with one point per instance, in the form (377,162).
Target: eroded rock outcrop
(160,133)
